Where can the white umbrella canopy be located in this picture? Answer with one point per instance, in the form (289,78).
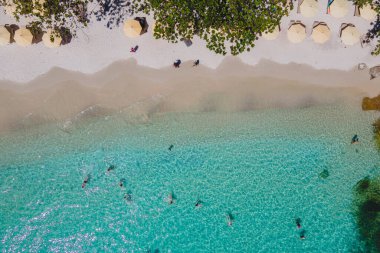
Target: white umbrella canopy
(296,33)
(368,13)
(309,8)
(321,33)
(5,36)
(51,39)
(23,37)
(132,28)
(272,35)
(350,35)
(339,8)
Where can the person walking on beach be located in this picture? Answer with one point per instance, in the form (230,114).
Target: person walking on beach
(134,49)
(196,63)
(177,63)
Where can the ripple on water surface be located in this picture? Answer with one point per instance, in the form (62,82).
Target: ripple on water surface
(262,167)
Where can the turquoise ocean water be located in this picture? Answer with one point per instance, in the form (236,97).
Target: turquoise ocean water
(261,166)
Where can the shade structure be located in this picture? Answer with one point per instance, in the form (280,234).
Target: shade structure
(309,8)
(350,35)
(5,36)
(23,37)
(297,33)
(321,33)
(51,40)
(132,28)
(272,35)
(367,12)
(10,8)
(339,8)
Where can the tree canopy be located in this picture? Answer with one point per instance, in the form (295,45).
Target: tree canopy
(57,15)
(235,24)
(374,32)
(226,25)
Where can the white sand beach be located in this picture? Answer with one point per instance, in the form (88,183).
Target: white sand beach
(96,47)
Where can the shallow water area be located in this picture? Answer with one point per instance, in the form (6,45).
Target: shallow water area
(260,166)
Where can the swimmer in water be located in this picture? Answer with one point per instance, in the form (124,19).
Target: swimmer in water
(355,139)
(128,196)
(298,222)
(302,235)
(111,167)
(171,147)
(230,219)
(198,203)
(85,181)
(170,199)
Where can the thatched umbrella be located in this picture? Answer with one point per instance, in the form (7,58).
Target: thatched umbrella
(23,37)
(321,33)
(339,8)
(132,28)
(367,12)
(51,39)
(309,8)
(10,7)
(350,35)
(271,35)
(296,33)
(5,36)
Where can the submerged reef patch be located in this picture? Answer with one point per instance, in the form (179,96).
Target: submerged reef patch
(367,211)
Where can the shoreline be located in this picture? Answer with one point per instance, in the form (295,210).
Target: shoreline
(61,95)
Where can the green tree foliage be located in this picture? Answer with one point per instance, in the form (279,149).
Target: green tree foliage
(374,32)
(236,24)
(59,15)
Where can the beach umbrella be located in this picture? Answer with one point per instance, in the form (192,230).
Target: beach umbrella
(321,33)
(271,35)
(51,39)
(5,36)
(132,28)
(309,8)
(350,35)
(297,33)
(339,8)
(23,37)
(9,8)
(367,12)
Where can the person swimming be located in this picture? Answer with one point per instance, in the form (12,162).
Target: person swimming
(198,203)
(121,182)
(302,235)
(171,147)
(298,222)
(128,196)
(111,167)
(170,198)
(230,219)
(85,181)
(355,139)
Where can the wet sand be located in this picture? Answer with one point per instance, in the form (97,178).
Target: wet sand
(62,96)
